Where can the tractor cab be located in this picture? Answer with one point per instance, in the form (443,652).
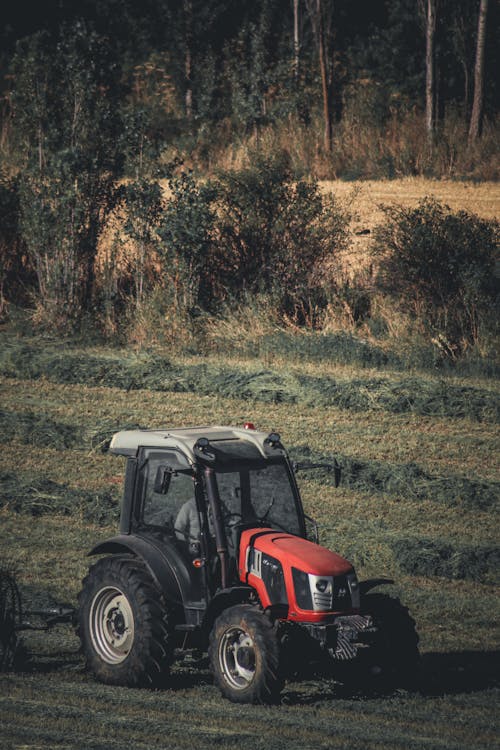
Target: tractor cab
(196,490)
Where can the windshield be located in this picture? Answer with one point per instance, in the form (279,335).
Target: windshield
(261,494)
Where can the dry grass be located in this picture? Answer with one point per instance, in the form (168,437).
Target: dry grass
(366,197)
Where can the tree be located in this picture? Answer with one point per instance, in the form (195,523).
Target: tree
(65,100)
(296,42)
(430,62)
(477,105)
(321,15)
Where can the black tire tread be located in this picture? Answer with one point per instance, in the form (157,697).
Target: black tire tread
(152,652)
(268,682)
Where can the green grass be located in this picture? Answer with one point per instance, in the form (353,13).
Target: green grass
(412,394)
(417,503)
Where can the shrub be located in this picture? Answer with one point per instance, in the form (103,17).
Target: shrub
(14,270)
(253,231)
(271,235)
(440,267)
(186,242)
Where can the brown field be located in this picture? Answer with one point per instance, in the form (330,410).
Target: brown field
(365,199)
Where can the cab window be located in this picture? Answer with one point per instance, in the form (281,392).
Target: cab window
(162,508)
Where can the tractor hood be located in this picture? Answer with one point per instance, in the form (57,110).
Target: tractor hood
(295,552)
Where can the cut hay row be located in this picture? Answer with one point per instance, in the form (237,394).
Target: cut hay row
(404,481)
(37,496)
(374,547)
(39,430)
(409,395)
(340,348)
(31,428)
(436,557)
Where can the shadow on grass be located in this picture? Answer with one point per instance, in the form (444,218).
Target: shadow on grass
(440,674)
(459,672)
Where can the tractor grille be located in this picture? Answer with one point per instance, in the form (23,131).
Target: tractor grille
(326,593)
(341,594)
(322,601)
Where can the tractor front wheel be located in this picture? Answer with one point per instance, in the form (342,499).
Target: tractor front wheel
(123,624)
(244,655)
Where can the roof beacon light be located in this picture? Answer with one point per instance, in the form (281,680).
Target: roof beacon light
(249,426)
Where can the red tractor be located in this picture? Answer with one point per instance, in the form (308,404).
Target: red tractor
(216,554)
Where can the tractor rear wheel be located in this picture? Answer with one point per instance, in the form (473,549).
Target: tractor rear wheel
(245,657)
(123,624)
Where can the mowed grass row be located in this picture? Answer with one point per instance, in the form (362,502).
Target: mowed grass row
(49,555)
(380,498)
(414,394)
(55,708)
(403,480)
(371,543)
(88,415)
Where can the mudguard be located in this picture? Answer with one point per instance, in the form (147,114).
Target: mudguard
(167,570)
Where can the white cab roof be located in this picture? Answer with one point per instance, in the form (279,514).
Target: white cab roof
(128,442)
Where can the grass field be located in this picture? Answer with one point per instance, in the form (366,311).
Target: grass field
(418,503)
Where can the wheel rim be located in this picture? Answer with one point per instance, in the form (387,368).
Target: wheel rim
(237,657)
(111,625)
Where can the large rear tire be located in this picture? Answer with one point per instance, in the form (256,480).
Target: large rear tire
(245,656)
(124,625)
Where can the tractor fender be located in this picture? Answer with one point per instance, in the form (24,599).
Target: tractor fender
(371,583)
(165,567)
(222,600)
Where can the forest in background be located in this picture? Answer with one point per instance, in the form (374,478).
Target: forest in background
(160,165)
(352,89)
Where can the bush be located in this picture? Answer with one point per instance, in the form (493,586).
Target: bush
(253,231)
(273,233)
(14,270)
(440,267)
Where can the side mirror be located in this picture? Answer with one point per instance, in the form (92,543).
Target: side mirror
(162,480)
(335,467)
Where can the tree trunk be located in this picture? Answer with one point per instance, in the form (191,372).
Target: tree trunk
(477,105)
(296,42)
(430,86)
(324,49)
(327,114)
(188,19)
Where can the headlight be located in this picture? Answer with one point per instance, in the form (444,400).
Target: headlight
(273,579)
(302,589)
